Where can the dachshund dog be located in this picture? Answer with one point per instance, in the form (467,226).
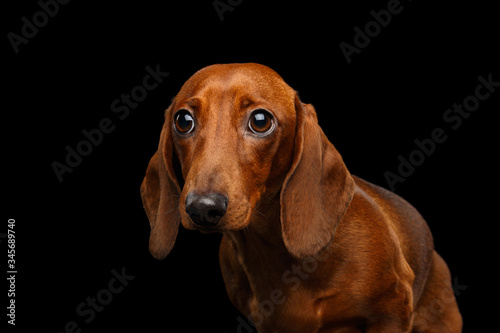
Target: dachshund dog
(306,246)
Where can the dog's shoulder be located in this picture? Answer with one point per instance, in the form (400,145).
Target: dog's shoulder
(413,234)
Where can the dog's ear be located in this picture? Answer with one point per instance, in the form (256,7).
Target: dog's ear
(317,190)
(160,194)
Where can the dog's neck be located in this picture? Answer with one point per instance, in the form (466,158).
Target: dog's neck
(263,236)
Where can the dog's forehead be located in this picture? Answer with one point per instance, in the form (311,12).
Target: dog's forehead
(236,81)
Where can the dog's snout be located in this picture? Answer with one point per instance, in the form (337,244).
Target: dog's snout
(206,210)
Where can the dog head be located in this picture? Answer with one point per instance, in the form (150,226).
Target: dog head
(234,135)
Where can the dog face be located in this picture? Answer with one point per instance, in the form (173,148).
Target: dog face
(233,129)
(237,134)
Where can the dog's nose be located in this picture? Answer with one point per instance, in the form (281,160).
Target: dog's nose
(206,210)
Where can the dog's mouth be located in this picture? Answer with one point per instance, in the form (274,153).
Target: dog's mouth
(233,219)
(240,221)
(208,230)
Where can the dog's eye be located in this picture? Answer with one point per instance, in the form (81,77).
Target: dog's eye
(261,122)
(184,122)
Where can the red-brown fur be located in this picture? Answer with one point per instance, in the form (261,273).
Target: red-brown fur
(307,247)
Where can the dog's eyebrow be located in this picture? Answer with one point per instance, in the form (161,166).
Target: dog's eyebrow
(246,102)
(252,99)
(193,102)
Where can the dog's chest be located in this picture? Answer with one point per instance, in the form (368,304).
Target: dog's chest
(276,293)
(288,300)
(299,311)
(278,300)
(278,310)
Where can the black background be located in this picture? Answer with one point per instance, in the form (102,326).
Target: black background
(72,234)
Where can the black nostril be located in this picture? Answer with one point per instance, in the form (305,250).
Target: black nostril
(206,210)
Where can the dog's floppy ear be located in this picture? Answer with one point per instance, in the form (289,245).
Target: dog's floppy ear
(160,195)
(317,190)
